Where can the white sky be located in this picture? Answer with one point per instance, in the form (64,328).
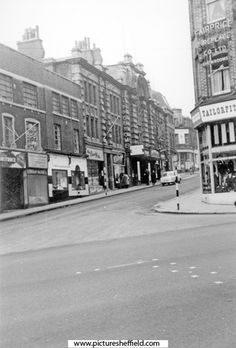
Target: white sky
(155,32)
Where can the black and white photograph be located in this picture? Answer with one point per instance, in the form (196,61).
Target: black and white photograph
(118,173)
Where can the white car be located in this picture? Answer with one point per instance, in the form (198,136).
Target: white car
(170,178)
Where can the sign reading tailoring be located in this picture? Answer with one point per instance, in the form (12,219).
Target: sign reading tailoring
(219,111)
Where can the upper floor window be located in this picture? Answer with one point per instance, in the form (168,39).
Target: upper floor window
(74,108)
(215,10)
(220,81)
(56,102)
(65,106)
(6,90)
(30,95)
(76,140)
(57,136)
(32,134)
(8,130)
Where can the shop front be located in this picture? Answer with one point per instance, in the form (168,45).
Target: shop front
(37,179)
(67,177)
(119,170)
(23,177)
(216,126)
(95,162)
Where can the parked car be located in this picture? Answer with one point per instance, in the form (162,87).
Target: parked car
(170,177)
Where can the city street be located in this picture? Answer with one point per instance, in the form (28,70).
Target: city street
(115,269)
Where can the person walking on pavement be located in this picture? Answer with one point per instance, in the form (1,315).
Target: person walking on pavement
(153,177)
(146,176)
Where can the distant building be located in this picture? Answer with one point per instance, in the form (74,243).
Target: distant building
(185,142)
(213,37)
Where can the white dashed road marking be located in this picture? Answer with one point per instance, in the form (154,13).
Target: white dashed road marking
(218,282)
(172,263)
(214,272)
(78,272)
(195,276)
(174,270)
(155,266)
(96,269)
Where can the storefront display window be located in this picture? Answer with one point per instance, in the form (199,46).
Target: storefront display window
(225,175)
(94,172)
(37,189)
(59,180)
(77,178)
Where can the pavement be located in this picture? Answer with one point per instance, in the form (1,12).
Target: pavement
(188,203)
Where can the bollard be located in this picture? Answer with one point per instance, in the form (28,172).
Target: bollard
(177,191)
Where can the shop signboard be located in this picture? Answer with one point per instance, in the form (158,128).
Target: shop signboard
(136,150)
(36,160)
(218,111)
(12,159)
(94,154)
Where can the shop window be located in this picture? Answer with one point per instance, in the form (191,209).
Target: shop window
(77,178)
(76,140)
(30,95)
(65,106)
(225,175)
(59,180)
(8,130)
(220,81)
(94,170)
(32,135)
(57,136)
(74,109)
(206,178)
(215,10)
(56,103)
(37,189)
(87,126)
(6,90)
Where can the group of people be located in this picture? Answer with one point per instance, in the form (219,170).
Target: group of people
(147,177)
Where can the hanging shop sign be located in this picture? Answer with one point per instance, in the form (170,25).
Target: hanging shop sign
(218,111)
(36,160)
(118,159)
(94,154)
(12,159)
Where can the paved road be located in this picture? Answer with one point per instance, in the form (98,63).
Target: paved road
(174,279)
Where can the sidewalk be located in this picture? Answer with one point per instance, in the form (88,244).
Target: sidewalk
(30,211)
(191,204)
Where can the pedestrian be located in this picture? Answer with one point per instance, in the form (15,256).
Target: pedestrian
(146,176)
(153,177)
(125,180)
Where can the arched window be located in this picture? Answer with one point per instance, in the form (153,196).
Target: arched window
(8,128)
(32,135)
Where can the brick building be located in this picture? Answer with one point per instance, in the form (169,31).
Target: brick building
(213,36)
(185,142)
(41,149)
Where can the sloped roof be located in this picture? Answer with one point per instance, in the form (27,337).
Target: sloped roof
(161,99)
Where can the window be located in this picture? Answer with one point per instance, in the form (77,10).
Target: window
(85,91)
(92,127)
(215,10)
(6,91)
(56,103)
(90,93)
(59,180)
(33,139)
(65,106)
(96,129)
(94,95)
(76,140)
(57,136)
(220,81)
(8,131)
(30,95)
(74,109)
(87,126)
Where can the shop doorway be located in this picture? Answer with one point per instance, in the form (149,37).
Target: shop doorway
(12,188)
